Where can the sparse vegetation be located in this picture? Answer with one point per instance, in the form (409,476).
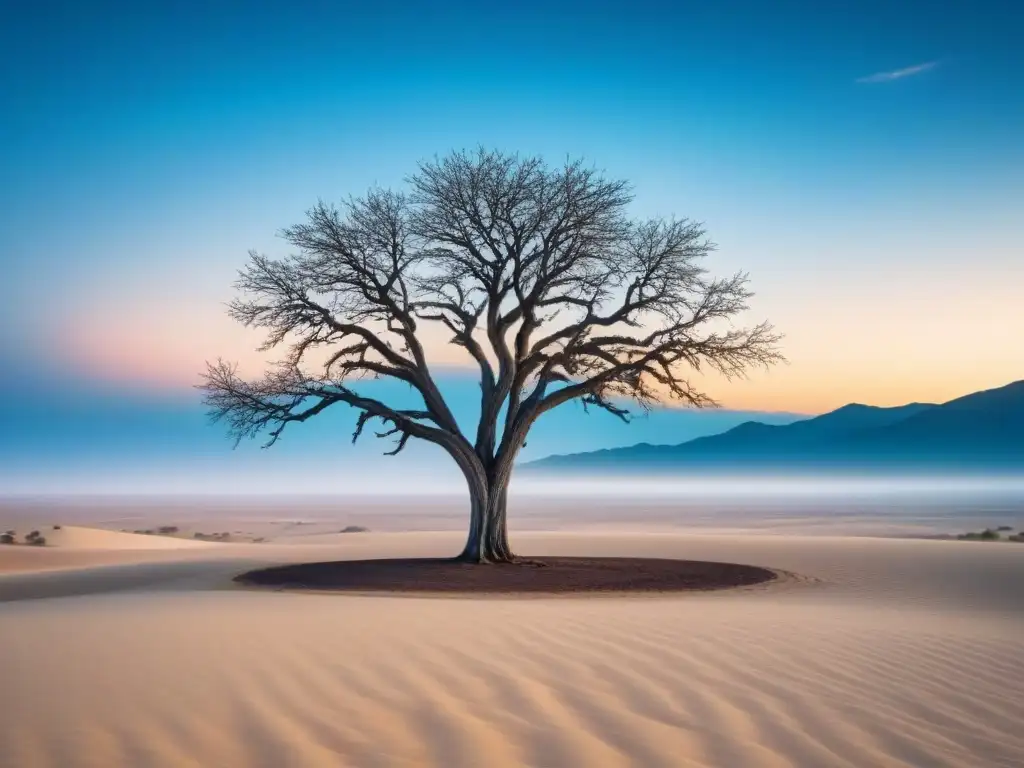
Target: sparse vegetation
(987,535)
(354,529)
(8,537)
(163,530)
(222,536)
(992,534)
(36,539)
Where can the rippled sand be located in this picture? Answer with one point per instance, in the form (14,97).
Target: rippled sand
(887,653)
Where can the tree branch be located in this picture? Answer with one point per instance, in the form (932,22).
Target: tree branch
(537,272)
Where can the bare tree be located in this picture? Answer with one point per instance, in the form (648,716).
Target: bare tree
(538,274)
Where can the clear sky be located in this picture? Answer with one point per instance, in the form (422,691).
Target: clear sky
(863,161)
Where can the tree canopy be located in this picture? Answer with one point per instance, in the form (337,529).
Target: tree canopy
(538,273)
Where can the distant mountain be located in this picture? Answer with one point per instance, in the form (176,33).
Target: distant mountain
(980,431)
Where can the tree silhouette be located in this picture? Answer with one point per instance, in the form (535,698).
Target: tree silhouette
(538,273)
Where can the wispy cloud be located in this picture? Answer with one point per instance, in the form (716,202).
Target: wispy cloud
(898,74)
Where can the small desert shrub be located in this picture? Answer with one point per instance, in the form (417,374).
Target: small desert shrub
(167,530)
(354,529)
(56,527)
(36,539)
(7,538)
(1005,528)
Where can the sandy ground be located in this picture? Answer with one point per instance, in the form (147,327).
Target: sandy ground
(889,652)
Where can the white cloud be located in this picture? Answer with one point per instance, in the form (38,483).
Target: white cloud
(898,74)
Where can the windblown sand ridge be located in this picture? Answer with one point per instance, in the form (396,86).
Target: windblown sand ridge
(78,537)
(891,653)
(71,547)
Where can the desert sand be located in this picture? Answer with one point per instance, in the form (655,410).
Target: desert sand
(884,652)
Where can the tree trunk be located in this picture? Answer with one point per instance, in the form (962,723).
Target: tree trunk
(488,524)
(474,549)
(497,527)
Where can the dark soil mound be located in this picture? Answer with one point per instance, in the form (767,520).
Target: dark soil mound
(542,575)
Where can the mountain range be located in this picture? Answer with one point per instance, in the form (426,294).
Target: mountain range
(983,431)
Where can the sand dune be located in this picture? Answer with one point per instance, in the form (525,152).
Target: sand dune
(889,653)
(74,547)
(79,537)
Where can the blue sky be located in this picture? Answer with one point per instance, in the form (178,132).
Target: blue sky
(863,163)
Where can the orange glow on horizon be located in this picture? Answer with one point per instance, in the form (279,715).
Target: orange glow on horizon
(897,355)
